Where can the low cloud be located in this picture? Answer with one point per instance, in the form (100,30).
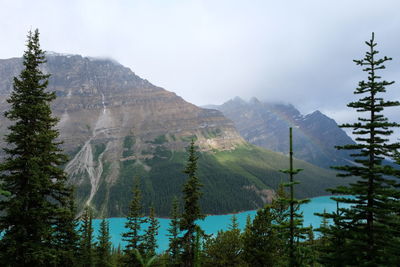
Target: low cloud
(210,51)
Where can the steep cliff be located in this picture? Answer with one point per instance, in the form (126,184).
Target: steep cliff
(265,124)
(116,125)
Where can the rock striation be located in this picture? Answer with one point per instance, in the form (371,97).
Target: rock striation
(116,126)
(103,105)
(265,124)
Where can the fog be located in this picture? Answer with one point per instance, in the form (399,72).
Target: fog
(208,52)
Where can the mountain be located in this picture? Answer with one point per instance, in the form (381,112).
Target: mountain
(116,125)
(265,124)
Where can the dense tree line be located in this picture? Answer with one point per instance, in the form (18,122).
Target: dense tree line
(39,226)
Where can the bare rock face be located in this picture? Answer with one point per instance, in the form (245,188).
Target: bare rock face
(266,125)
(109,115)
(117,126)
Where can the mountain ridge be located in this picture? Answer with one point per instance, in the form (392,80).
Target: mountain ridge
(264,124)
(116,125)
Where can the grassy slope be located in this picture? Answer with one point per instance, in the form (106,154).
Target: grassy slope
(224,174)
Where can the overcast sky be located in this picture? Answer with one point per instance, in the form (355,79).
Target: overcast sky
(297,51)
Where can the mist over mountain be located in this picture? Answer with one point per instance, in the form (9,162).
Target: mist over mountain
(116,126)
(266,124)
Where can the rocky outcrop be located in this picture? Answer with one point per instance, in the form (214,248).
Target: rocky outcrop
(117,126)
(108,114)
(266,124)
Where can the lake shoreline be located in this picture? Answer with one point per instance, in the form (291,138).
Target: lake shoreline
(214,223)
(219,214)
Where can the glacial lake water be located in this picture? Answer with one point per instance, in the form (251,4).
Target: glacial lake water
(213,223)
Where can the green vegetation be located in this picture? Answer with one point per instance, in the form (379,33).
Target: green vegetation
(135,219)
(86,251)
(191,210)
(189,138)
(150,241)
(212,133)
(159,140)
(37,209)
(103,249)
(37,219)
(98,149)
(247,169)
(294,225)
(369,230)
(173,233)
(129,141)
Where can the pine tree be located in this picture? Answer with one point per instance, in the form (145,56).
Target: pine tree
(280,214)
(103,249)
(260,239)
(307,249)
(294,225)
(248,224)
(86,238)
(234,225)
(332,248)
(226,248)
(173,233)
(371,221)
(117,256)
(150,236)
(66,238)
(192,212)
(135,219)
(31,174)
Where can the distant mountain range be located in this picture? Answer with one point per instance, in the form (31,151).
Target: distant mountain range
(266,125)
(116,126)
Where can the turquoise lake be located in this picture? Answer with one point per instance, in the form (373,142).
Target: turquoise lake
(213,223)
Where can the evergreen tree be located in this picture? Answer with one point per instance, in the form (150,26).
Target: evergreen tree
(192,212)
(103,249)
(294,225)
(306,249)
(248,224)
(144,261)
(173,233)
(117,256)
(332,247)
(150,236)
(372,219)
(260,239)
(134,222)
(31,174)
(86,238)
(66,238)
(234,225)
(226,248)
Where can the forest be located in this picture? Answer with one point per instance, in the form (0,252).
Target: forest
(40,226)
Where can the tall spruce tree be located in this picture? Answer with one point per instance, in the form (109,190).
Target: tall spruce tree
(103,248)
(173,233)
(372,219)
(86,246)
(280,214)
(31,174)
(150,236)
(191,211)
(260,240)
(66,238)
(135,219)
(295,222)
(226,248)
(332,247)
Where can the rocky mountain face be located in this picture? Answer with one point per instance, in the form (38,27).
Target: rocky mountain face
(116,126)
(266,125)
(109,114)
